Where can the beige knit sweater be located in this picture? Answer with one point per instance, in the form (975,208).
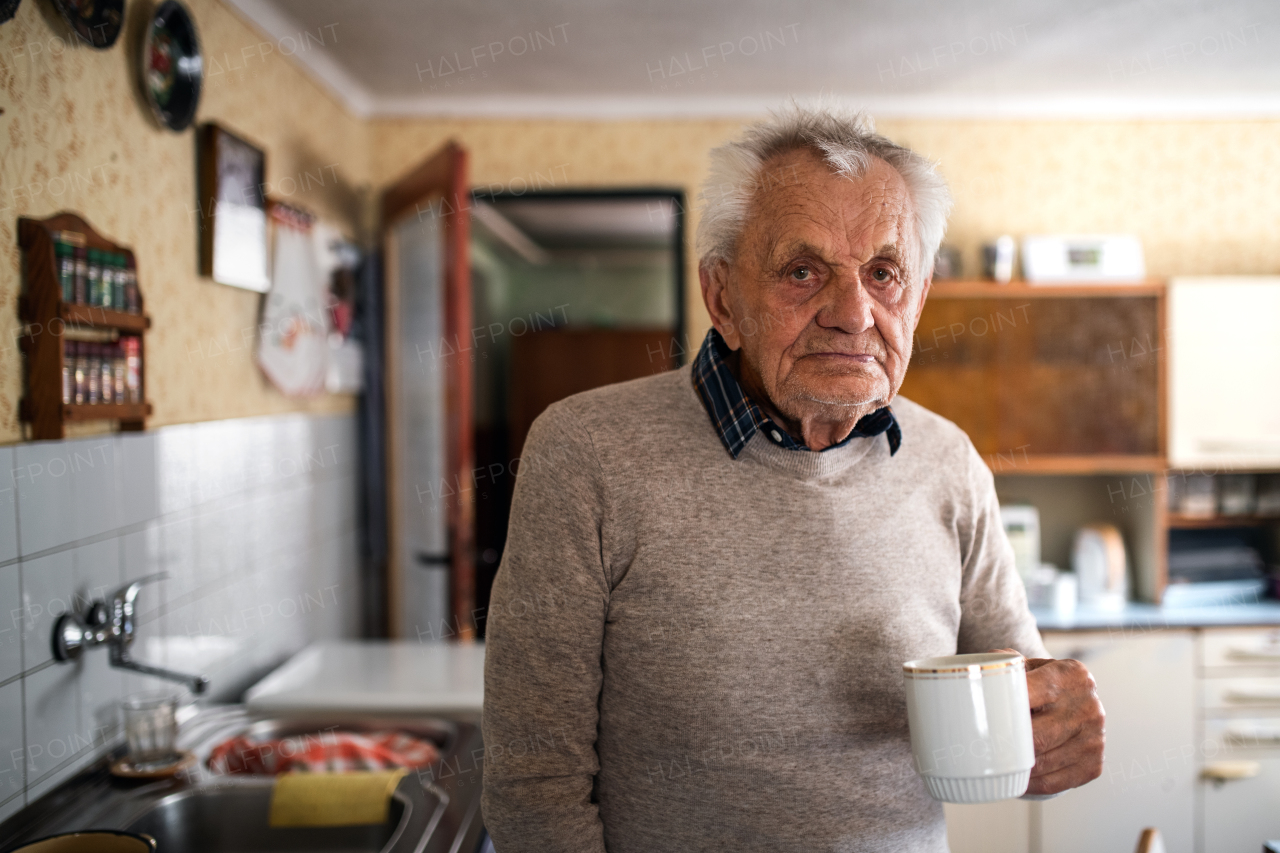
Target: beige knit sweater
(689,652)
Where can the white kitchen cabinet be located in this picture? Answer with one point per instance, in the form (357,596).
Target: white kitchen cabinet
(1003,827)
(1240,677)
(1224,364)
(1147,684)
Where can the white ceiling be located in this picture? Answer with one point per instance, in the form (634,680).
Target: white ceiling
(617,58)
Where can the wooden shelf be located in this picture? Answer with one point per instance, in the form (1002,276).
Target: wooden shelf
(105,411)
(959,289)
(102,318)
(1197,522)
(1030,464)
(44,344)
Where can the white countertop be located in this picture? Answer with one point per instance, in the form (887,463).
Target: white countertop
(368,676)
(1153,617)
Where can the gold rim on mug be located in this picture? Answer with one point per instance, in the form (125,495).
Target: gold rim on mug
(1003,660)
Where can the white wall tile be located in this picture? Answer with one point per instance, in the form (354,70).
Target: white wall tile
(12,778)
(43,481)
(53,720)
(10,624)
(175,467)
(97,572)
(8,508)
(254,519)
(94,493)
(139,477)
(48,588)
(101,689)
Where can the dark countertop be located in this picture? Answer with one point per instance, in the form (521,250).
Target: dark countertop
(1153,617)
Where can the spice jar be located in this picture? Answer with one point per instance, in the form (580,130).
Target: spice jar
(133,368)
(108,380)
(133,304)
(80,381)
(119,371)
(82,276)
(94,294)
(66,257)
(68,371)
(93,381)
(119,284)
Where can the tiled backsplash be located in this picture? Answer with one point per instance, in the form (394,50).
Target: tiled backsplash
(253,519)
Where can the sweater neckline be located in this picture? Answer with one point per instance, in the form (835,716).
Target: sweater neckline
(810,465)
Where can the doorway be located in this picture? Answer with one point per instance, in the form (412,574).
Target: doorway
(569,291)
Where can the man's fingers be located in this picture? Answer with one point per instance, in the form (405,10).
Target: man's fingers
(1072,776)
(1049,680)
(1081,748)
(1051,729)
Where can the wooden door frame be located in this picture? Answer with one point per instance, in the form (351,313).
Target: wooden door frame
(436,187)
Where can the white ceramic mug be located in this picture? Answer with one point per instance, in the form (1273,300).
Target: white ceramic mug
(970,721)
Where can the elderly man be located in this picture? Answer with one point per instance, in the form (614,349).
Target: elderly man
(733,560)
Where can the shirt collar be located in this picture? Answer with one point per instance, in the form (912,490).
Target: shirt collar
(736,417)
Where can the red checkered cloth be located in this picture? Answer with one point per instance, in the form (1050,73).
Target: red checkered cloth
(322,752)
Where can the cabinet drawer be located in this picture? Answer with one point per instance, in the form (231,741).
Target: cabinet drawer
(1241,693)
(1241,738)
(1240,815)
(1252,647)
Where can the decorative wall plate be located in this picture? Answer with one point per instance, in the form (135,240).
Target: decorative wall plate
(172,65)
(97,22)
(8,8)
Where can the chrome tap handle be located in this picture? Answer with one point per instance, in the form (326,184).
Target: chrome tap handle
(122,606)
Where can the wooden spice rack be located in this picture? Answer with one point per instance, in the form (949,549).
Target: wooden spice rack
(48,320)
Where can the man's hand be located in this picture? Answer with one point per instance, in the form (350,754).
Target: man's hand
(1067,724)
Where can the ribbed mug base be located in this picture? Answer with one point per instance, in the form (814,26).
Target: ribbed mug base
(978,789)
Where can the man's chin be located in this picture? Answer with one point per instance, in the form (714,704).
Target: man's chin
(837,397)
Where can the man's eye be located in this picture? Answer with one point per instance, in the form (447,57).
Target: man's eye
(881,274)
(801,273)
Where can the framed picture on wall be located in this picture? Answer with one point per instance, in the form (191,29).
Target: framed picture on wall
(233,210)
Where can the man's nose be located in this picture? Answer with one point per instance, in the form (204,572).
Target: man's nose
(847,306)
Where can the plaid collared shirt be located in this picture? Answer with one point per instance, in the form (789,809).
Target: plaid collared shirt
(736,417)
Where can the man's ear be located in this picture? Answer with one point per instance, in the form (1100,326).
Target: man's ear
(714,278)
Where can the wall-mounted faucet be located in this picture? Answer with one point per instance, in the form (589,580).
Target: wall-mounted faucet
(112,623)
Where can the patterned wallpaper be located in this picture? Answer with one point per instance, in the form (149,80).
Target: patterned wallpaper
(1203,196)
(77,136)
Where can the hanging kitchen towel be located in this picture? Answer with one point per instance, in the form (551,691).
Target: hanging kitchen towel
(293,344)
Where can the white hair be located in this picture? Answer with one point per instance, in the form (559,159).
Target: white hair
(846,140)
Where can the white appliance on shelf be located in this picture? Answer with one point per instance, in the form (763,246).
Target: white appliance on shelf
(1076,258)
(1224,372)
(1098,559)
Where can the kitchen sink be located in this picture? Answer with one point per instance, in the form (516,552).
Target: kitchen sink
(232,818)
(433,810)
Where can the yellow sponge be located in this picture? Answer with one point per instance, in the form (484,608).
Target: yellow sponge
(333,799)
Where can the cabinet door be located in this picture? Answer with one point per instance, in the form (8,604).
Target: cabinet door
(1003,827)
(1224,366)
(1146,683)
(1239,815)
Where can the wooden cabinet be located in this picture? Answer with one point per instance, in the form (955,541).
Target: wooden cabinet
(1058,381)
(1046,379)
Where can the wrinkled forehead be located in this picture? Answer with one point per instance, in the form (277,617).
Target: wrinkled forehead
(798,198)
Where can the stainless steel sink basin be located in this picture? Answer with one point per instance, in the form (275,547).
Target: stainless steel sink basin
(232,818)
(434,810)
